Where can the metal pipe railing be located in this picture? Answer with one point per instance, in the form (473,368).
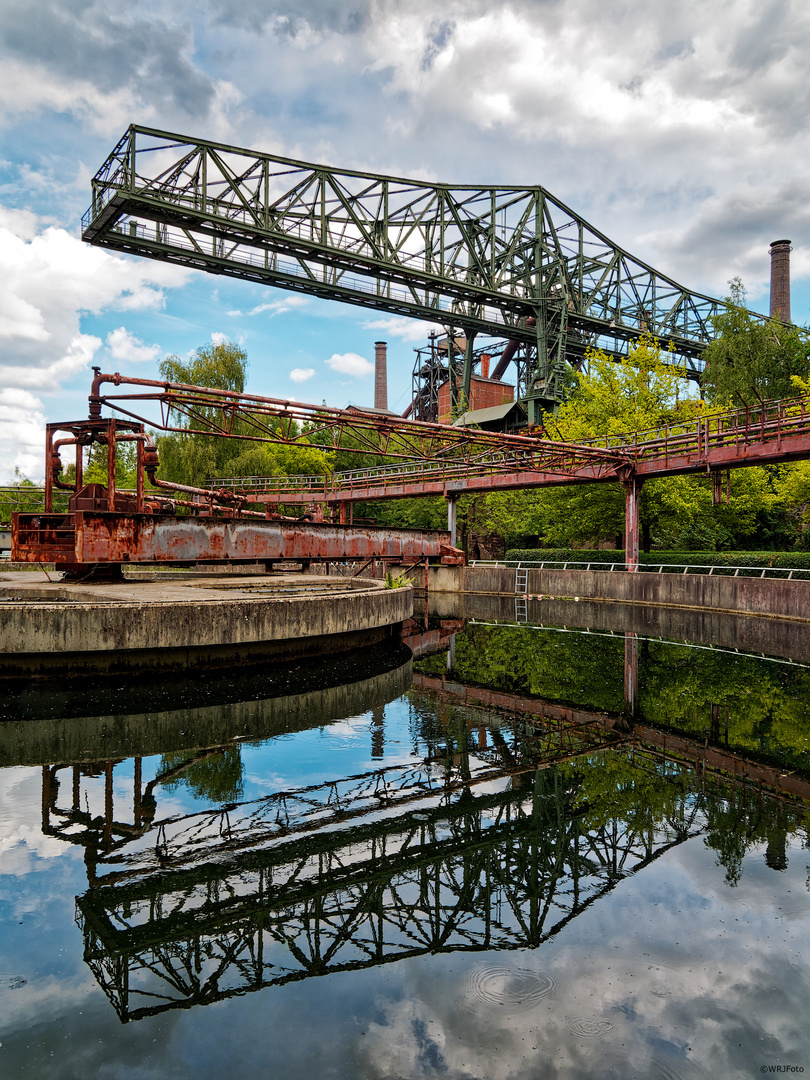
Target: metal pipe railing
(653,567)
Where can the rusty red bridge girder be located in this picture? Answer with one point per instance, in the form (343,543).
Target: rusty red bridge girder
(431,459)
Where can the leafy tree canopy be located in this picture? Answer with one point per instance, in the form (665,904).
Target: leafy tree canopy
(751,358)
(641,392)
(193,459)
(221,365)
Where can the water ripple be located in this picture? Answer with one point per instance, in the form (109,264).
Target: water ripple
(588,1027)
(510,988)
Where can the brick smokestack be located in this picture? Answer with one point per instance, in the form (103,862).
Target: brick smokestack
(780,280)
(380,375)
(485,359)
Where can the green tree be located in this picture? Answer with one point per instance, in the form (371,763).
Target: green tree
(752,358)
(23,495)
(215,778)
(616,399)
(95,469)
(222,366)
(193,458)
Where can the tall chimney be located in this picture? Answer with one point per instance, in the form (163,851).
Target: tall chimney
(485,359)
(380,375)
(780,280)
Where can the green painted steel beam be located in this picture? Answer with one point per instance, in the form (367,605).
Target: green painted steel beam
(485,259)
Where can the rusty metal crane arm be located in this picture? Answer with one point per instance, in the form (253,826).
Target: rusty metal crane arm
(197,410)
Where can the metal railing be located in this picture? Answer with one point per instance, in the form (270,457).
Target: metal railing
(784,572)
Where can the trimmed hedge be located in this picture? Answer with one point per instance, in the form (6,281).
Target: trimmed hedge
(781,560)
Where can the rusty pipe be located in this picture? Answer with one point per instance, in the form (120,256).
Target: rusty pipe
(510,350)
(95,397)
(55,464)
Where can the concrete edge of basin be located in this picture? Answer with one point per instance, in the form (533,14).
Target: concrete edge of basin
(116,632)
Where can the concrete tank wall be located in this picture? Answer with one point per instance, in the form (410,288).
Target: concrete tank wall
(778,597)
(114,629)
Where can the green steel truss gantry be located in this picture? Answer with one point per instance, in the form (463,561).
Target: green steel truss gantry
(506,261)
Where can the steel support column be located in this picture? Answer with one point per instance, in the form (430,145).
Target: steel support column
(632,493)
(469,360)
(451,518)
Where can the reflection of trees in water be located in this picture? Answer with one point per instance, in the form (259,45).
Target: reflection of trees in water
(742,820)
(582,668)
(764,704)
(216,778)
(502,828)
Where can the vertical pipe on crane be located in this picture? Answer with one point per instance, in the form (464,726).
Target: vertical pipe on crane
(79,467)
(48,504)
(138,475)
(111,448)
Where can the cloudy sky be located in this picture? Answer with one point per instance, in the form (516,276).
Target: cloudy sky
(679,130)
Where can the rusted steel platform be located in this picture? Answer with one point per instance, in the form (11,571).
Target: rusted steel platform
(87,538)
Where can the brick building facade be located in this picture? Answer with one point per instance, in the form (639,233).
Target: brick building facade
(483,394)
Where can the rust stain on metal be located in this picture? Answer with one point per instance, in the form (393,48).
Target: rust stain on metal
(96,537)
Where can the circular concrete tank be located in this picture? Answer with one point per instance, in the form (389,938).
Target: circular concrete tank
(186,621)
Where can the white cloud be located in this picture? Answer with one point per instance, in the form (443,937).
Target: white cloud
(22,423)
(405,329)
(274,307)
(50,281)
(301,374)
(219,338)
(129,349)
(350,364)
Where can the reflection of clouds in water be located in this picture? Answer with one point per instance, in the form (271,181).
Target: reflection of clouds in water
(666,990)
(508,987)
(588,1027)
(21,838)
(49,996)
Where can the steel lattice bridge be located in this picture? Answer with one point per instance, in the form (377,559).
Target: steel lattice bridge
(499,260)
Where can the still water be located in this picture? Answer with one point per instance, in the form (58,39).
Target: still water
(547,842)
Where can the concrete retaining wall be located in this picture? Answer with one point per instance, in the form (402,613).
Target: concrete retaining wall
(776,597)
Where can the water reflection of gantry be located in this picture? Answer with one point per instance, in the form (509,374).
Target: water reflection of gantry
(482,845)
